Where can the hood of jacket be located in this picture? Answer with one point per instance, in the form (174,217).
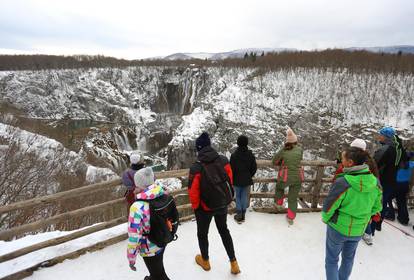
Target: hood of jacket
(152,192)
(207,154)
(360,178)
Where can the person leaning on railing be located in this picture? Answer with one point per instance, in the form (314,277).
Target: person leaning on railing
(290,174)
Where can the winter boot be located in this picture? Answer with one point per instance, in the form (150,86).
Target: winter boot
(367,238)
(234,267)
(404,222)
(243,218)
(290,216)
(238,217)
(205,264)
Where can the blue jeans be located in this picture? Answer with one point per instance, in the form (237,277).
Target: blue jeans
(335,244)
(241,198)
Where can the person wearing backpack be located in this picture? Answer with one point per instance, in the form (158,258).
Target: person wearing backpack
(128,178)
(388,158)
(210,190)
(152,224)
(353,199)
(404,176)
(243,164)
(290,174)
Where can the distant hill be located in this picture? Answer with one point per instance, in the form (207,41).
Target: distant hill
(223,55)
(388,49)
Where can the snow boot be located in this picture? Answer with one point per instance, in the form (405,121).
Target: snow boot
(401,221)
(243,217)
(234,267)
(367,238)
(238,217)
(205,264)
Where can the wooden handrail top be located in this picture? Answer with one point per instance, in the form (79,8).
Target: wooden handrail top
(116,182)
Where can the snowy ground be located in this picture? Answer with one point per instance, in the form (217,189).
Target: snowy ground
(266,249)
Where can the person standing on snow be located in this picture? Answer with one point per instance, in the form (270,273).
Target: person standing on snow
(290,174)
(137,163)
(210,190)
(388,158)
(140,224)
(361,144)
(352,200)
(243,164)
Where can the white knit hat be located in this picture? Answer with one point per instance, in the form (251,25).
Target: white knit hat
(135,158)
(359,143)
(144,178)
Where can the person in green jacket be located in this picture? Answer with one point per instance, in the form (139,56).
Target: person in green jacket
(353,199)
(290,174)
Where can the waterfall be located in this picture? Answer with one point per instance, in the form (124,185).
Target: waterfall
(122,141)
(141,141)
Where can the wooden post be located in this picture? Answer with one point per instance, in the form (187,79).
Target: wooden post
(317,186)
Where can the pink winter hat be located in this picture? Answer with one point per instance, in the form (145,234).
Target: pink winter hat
(291,136)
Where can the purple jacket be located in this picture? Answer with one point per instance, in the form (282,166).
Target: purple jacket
(126,180)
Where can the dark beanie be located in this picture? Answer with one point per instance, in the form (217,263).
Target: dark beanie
(242,141)
(202,141)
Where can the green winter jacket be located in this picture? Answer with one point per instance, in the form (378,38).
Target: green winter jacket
(353,199)
(291,171)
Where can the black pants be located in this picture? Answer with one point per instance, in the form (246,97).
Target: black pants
(203,223)
(155,266)
(401,192)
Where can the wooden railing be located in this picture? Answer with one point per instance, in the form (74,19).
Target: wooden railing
(309,201)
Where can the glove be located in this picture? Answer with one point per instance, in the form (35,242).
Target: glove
(376,218)
(132,267)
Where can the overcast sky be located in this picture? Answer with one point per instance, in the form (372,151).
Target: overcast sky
(146,28)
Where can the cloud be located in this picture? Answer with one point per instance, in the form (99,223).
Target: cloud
(137,29)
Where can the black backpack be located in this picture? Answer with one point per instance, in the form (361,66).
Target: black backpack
(164,220)
(215,188)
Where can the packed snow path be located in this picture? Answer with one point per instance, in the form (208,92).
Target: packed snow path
(266,248)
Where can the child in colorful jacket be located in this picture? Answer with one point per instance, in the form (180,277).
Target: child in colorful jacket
(353,199)
(139,224)
(290,174)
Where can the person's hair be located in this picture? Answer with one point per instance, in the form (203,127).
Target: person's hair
(357,155)
(289,146)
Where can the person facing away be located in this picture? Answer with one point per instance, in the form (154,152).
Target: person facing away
(353,199)
(290,174)
(140,223)
(128,178)
(244,167)
(210,191)
(361,144)
(388,158)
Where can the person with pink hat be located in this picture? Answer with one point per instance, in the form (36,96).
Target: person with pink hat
(290,174)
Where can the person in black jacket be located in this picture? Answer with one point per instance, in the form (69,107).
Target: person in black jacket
(243,164)
(388,158)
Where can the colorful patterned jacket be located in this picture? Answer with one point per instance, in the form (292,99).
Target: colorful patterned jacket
(139,223)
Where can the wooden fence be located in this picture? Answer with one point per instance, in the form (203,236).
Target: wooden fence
(309,198)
